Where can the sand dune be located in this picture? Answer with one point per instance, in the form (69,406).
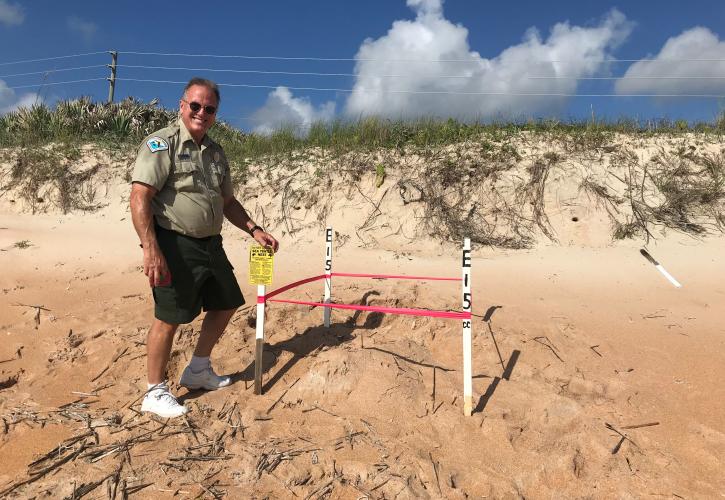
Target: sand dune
(594,377)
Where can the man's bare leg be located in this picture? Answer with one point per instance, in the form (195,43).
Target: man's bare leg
(158,349)
(212,329)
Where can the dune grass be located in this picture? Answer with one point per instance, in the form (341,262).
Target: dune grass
(45,144)
(129,121)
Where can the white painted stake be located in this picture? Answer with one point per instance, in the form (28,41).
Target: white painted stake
(467,306)
(661,269)
(259,345)
(328,274)
(668,276)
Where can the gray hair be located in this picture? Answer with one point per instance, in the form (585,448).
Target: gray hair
(204,83)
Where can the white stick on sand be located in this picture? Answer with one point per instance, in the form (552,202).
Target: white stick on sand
(259,346)
(668,276)
(328,274)
(467,362)
(661,269)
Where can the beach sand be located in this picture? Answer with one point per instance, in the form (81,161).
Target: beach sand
(594,377)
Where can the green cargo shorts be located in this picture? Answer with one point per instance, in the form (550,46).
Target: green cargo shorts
(201,276)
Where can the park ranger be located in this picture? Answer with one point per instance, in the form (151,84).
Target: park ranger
(181,192)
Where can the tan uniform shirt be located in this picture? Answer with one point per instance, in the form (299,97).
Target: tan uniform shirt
(191,180)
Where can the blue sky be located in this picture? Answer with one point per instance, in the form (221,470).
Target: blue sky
(458,58)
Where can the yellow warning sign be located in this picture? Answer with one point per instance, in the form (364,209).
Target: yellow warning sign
(261,265)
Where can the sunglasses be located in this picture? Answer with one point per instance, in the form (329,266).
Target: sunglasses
(196,107)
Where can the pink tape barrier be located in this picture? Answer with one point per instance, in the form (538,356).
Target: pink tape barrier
(393,276)
(293,285)
(388,310)
(356,275)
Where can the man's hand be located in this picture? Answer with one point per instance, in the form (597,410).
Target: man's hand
(154,263)
(155,267)
(266,240)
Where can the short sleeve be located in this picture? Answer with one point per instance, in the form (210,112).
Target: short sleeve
(153,163)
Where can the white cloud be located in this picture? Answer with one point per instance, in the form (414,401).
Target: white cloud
(578,50)
(86,29)
(9,100)
(11,13)
(695,43)
(282,109)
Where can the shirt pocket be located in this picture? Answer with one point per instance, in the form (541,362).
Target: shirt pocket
(217,171)
(185,176)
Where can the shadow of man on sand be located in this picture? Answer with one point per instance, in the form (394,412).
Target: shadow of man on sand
(308,343)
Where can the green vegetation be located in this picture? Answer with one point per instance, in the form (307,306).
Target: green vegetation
(23,244)
(128,122)
(379,175)
(466,176)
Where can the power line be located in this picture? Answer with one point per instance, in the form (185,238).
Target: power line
(626,77)
(53,58)
(50,71)
(266,72)
(284,58)
(341,59)
(313,73)
(45,84)
(430,92)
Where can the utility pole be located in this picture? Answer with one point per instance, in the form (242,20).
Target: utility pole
(112,79)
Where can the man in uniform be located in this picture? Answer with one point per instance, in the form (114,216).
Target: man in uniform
(181,191)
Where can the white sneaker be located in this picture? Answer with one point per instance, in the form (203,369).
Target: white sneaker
(160,401)
(205,379)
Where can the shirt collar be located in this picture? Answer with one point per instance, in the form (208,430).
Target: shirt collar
(185,135)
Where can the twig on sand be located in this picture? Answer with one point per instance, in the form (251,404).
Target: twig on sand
(380,485)
(212,491)
(115,358)
(435,469)
(624,437)
(37,312)
(637,426)
(594,348)
(315,407)
(281,396)
(77,442)
(86,488)
(268,461)
(548,344)
(322,490)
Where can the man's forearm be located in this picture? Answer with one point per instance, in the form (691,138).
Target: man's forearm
(235,213)
(143,219)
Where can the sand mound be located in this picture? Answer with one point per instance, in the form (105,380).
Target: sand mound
(593,375)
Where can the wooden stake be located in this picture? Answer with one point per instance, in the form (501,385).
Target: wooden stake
(259,347)
(328,274)
(467,333)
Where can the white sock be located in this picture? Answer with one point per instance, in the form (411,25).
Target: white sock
(160,385)
(199,363)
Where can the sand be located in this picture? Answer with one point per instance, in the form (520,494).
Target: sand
(594,377)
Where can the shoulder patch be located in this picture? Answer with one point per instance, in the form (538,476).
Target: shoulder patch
(157,144)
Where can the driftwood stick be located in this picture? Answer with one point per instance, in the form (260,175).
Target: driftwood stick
(548,344)
(623,438)
(86,488)
(594,348)
(637,426)
(283,394)
(435,469)
(115,358)
(321,488)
